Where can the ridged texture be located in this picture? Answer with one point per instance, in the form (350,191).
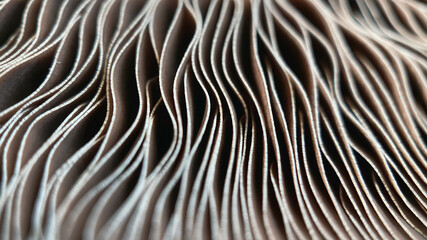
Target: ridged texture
(198,119)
